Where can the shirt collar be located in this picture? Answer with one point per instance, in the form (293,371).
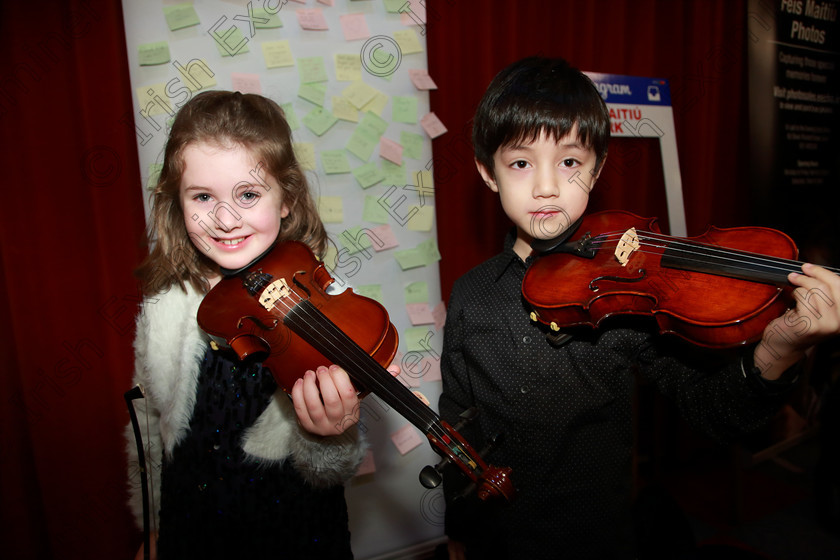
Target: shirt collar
(508,256)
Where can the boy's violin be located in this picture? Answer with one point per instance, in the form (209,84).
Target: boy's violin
(717,290)
(277,311)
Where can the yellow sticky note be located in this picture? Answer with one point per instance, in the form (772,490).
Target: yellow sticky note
(377,104)
(277,54)
(422,219)
(196,74)
(348,67)
(331,209)
(425,183)
(153,100)
(305,154)
(359,94)
(408,41)
(344,110)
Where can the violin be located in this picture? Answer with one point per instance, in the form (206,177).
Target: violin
(277,311)
(716,290)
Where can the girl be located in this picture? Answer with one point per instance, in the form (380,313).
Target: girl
(239,469)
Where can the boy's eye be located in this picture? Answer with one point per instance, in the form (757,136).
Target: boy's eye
(570,162)
(520,164)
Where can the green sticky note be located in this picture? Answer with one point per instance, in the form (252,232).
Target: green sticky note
(412,144)
(334,161)
(404,109)
(230,42)
(154,175)
(312,70)
(372,291)
(314,93)
(152,54)
(374,212)
(393,174)
(393,6)
(354,241)
(417,292)
(374,122)
(291,115)
(367,175)
(319,120)
(417,338)
(264,20)
(429,250)
(410,258)
(180,16)
(362,143)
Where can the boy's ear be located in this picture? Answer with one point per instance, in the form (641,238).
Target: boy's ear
(486,176)
(598,171)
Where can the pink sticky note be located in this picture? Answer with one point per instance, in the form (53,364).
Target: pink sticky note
(433,373)
(246,83)
(421,79)
(406,438)
(354,27)
(409,381)
(415,15)
(432,125)
(327,2)
(420,313)
(368,466)
(439,313)
(312,19)
(386,235)
(390,150)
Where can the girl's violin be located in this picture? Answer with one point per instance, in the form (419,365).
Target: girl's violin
(717,290)
(277,310)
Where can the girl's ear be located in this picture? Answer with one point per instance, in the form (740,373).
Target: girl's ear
(486,176)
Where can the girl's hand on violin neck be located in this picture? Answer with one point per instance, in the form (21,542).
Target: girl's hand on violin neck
(815,318)
(326,402)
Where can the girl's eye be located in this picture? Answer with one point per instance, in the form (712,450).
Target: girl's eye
(203,197)
(249,197)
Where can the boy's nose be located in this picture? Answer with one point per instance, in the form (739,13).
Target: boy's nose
(546,183)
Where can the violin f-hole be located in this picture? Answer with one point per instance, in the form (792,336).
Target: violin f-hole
(593,285)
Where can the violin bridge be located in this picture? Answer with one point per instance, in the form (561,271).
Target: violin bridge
(274,292)
(628,243)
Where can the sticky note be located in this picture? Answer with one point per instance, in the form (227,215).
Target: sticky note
(424,183)
(374,123)
(404,109)
(152,54)
(432,125)
(153,100)
(406,438)
(393,174)
(412,144)
(344,110)
(410,258)
(390,150)
(196,74)
(311,69)
(305,154)
(354,27)
(180,16)
(372,291)
(335,161)
(354,240)
(439,313)
(312,19)
(230,42)
(331,209)
(429,250)
(386,235)
(420,313)
(433,372)
(422,219)
(262,19)
(319,120)
(416,338)
(373,211)
(393,6)
(291,115)
(348,67)
(421,79)
(359,93)
(416,292)
(277,54)
(314,93)
(368,175)
(413,12)
(376,104)
(154,174)
(246,83)
(408,41)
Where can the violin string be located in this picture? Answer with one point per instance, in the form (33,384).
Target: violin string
(339,346)
(776,264)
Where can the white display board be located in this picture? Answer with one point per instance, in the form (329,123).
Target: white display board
(641,108)
(362,60)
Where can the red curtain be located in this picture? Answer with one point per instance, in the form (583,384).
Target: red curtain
(71,230)
(698,45)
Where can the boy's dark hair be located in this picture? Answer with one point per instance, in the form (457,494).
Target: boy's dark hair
(536,95)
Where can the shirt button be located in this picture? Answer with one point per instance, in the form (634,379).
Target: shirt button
(523,389)
(526,339)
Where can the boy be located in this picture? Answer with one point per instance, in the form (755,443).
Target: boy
(564,408)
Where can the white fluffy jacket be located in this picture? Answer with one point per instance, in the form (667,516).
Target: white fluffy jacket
(169,348)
